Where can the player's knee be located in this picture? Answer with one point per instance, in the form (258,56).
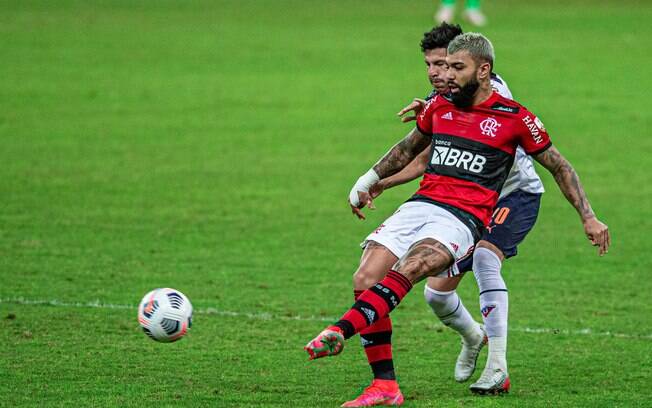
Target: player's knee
(364,278)
(485,258)
(486,269)
(434,297)
(491,247)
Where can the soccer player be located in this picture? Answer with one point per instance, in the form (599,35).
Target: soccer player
(377,259)
(474,134)
(513,218)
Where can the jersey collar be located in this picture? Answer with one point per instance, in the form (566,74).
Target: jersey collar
(490,101)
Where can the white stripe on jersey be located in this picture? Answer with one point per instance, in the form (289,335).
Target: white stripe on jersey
(522,175)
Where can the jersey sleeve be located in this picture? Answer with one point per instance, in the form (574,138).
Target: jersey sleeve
(533,137)
(500,86)
(431,95)
(424,119)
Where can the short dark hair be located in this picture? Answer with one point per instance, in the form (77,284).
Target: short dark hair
(440,36)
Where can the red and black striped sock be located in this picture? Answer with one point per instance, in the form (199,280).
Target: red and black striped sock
(374,304)
(377,342)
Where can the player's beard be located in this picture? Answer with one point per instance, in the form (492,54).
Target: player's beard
(464,97)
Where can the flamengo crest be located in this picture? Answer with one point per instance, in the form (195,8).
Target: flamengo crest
(489,127)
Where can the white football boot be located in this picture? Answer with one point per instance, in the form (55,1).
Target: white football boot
(445,14)
(475,17)
(493,381)
(465,364)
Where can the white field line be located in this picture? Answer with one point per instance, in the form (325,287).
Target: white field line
(268,316)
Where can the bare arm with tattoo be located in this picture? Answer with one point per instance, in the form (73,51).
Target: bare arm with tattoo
(417,167)
(569,183)
(412,171)
(399,156)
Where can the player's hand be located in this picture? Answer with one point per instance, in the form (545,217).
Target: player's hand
(365,201)
(416,106)
(598,233)
(377,189)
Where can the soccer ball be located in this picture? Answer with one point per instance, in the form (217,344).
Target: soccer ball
(165,314)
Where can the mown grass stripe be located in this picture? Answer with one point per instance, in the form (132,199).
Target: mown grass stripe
(311,318)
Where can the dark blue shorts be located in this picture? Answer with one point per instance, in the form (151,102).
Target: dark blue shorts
(513,218)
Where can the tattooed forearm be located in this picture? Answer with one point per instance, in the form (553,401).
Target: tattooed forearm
(413,170)
(401,154)
(567,180)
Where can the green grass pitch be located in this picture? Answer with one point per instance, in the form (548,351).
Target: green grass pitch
(210,146)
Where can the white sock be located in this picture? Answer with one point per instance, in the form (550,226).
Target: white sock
(494,305)
(450,310)
(497,353)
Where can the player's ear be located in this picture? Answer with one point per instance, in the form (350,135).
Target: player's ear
(484,71)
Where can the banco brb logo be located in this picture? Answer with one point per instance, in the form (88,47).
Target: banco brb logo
(449,156)
(489,127)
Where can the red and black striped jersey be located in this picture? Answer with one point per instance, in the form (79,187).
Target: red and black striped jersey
(473,150)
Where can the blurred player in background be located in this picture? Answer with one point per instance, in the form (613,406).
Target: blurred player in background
(474,132)
(472,12)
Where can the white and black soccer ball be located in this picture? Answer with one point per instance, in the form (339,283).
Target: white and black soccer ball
(165,314)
